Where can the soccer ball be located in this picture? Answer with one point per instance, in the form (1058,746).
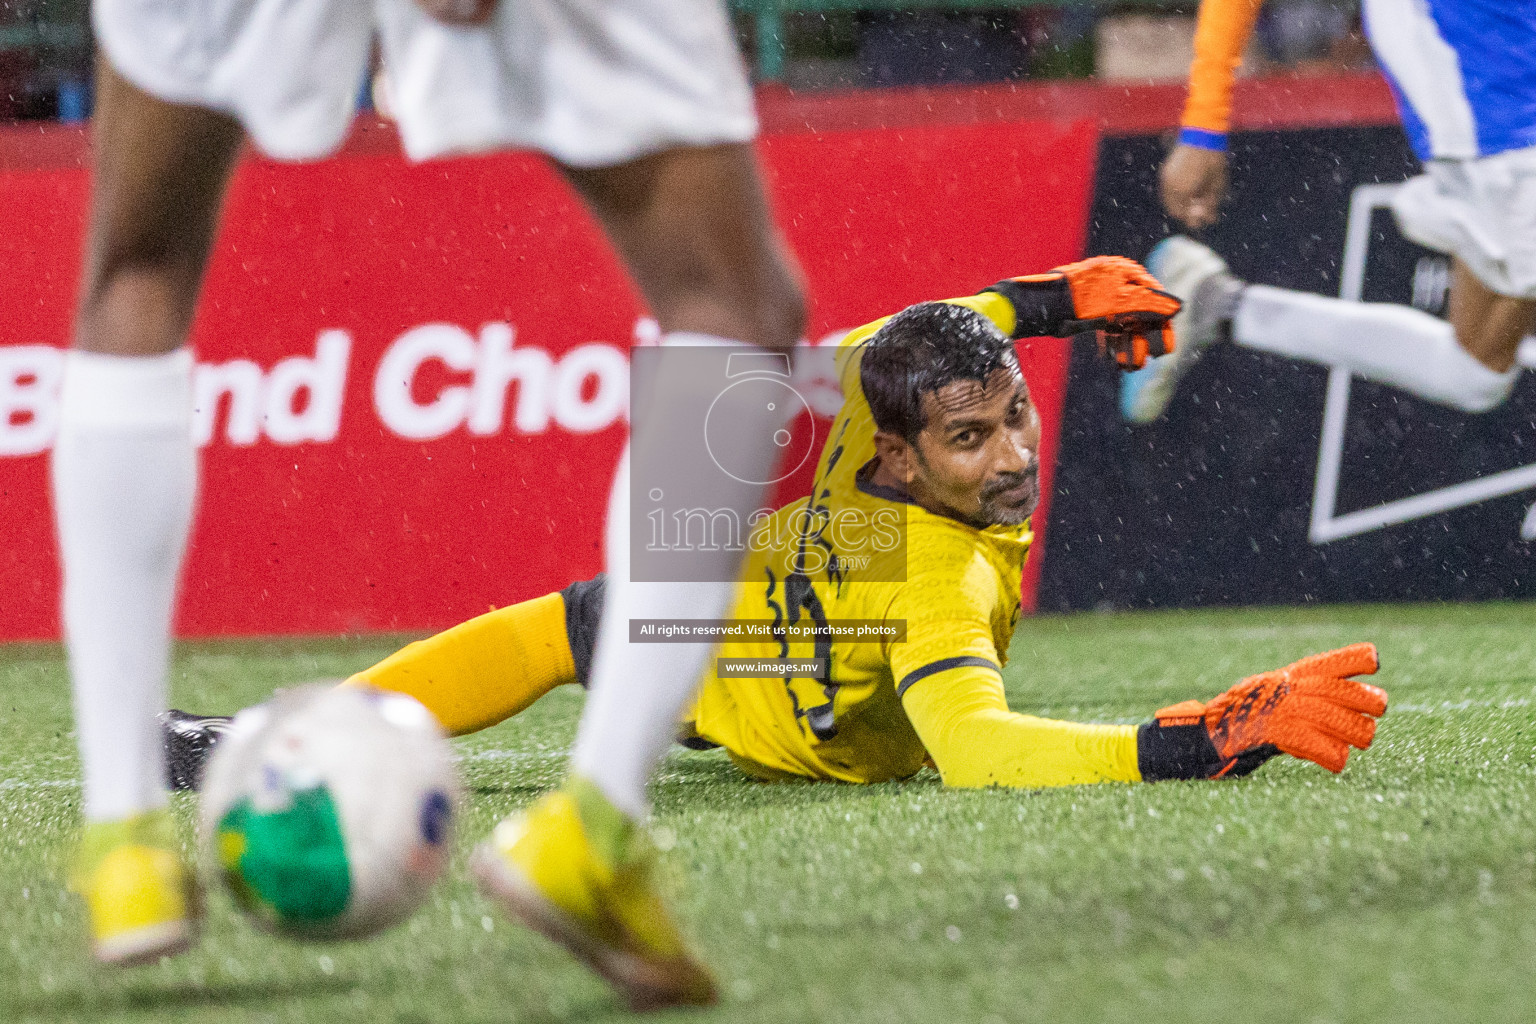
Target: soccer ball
(328,810)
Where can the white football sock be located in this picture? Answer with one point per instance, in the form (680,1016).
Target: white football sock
(124,482)
(638,692)
(1390,344)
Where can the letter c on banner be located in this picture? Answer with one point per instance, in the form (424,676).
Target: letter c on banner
(452,346)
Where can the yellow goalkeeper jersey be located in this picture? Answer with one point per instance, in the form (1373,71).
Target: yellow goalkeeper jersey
(953,587)
(865,709)
(861,709)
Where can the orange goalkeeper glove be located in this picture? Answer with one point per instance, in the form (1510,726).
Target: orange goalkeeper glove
(1114,297)
(1310,709)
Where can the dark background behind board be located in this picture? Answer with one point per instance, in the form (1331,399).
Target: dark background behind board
(1211,504)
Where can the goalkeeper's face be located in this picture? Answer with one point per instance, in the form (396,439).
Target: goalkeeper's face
(976,458)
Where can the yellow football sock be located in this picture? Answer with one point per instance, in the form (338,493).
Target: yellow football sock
(485,670)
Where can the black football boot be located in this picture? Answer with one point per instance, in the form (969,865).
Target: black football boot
(189,741)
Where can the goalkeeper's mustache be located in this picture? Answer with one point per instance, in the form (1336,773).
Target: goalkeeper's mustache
(1005,482)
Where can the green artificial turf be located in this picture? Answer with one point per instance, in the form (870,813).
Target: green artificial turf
(1404,890)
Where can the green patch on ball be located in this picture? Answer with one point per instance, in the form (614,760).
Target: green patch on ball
(288,866)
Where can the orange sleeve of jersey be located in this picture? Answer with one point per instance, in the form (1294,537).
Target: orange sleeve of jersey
(1222,32)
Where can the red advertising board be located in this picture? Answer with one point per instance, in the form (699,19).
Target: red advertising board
(412,379)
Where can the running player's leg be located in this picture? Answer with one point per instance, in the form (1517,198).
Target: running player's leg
(693,226)
(694,229)
(1466,363)
(1390,344)
(124,480)
(649,109)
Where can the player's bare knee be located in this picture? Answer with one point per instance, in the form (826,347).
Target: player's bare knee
(781,313)
(137,309)
(762,306)
(1489,325)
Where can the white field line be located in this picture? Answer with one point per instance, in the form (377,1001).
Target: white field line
(1456,705)
(516,757)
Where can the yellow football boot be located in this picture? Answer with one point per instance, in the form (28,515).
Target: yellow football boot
(141,897)
(578,871)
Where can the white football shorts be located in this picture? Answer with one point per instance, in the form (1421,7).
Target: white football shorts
(1482,210)
(590,82)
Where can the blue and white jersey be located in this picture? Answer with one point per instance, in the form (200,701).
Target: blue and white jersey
(1464,72)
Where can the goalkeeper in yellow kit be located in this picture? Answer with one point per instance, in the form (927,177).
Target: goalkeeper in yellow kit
(918,523)
(934,457)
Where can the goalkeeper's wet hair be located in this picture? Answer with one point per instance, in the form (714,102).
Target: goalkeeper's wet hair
(922,349)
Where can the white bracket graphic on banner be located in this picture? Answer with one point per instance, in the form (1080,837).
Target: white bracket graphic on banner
(1326,526)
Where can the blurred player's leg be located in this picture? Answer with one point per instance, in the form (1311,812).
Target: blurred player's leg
(693,226)
(124,479)
(1199,278)
(1467,363)
(1391,344)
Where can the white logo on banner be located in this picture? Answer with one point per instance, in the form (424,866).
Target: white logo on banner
(1430,283)
(300,399)
(493,383)
(541,388)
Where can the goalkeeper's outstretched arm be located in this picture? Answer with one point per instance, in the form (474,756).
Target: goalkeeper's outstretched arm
(1112,297)
(1311,709)
(962,717)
